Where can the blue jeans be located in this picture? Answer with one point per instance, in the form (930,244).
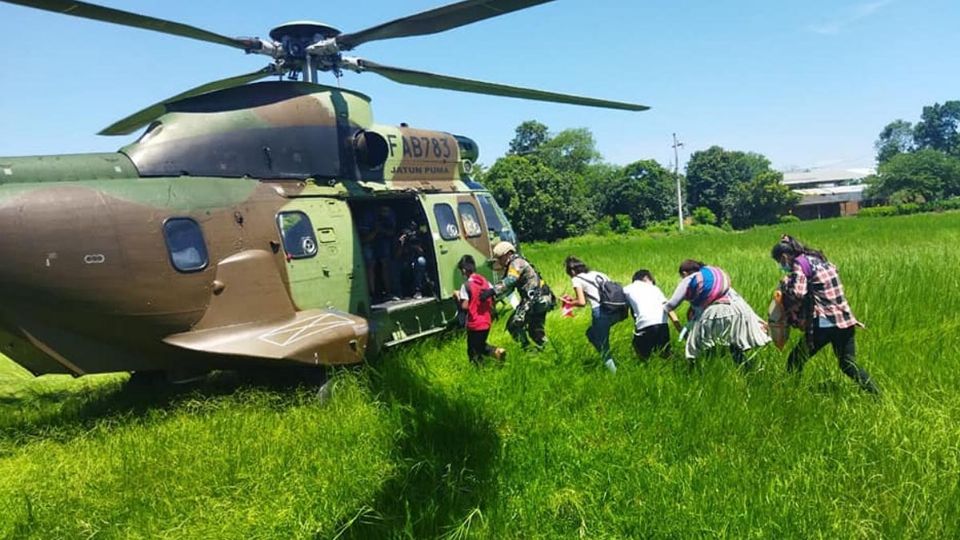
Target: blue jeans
(419,267)
(599,332)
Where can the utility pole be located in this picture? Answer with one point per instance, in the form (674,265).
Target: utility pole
(676,175)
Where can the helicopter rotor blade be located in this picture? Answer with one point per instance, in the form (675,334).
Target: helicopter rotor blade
(446,82)
(144,116)
(126,18)
(435,20)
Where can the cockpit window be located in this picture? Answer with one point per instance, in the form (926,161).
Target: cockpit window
(489,212)
(299,240)
(185,245)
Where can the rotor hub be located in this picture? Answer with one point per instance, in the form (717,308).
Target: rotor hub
(296,36)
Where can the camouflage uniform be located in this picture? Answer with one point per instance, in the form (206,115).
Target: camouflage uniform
(530,316)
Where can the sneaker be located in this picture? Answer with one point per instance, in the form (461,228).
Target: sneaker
(500,354)
(417,295)
(610,365)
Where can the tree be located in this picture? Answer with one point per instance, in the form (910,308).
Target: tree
(570,151)
(713,173)
(938,128)
(530,135)
(895,138)
(642,190)
(924,175)
(760,201)
(541,203)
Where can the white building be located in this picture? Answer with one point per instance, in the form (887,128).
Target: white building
(827,192)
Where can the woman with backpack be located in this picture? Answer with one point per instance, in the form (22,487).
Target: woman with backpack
(588,286)
(719,316)
(813,299)
(479,310)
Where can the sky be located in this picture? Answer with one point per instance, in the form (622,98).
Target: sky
(806,83)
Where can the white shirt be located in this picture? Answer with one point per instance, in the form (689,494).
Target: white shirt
(588,282)
(646,300)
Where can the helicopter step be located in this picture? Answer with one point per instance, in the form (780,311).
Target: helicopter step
(392,306)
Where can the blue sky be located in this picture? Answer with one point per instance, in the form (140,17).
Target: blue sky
(806,83)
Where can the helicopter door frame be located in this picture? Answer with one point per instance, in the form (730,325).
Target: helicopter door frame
(451,240)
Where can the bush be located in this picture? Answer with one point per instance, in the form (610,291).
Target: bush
(704,216)
(621,224)
(878,211)
(944,204)
(602,228)
(909,208)
(665,226)
(789,218)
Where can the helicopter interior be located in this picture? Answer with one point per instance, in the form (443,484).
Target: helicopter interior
(398,252)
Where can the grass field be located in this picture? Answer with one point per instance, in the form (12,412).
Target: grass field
(422,445)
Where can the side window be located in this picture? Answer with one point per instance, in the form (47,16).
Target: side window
(470,220)
(299,241)
(446,221)
(188,251)
(489,212)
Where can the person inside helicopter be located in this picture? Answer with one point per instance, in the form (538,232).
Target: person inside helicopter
(399,260)
(367,230)
(386,227)
(412,255)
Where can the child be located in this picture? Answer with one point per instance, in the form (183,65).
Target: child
(478,311)
(651,332)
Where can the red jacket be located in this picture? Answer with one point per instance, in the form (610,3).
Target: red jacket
(478,311)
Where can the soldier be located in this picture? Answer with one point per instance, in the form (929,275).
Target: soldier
(536,299)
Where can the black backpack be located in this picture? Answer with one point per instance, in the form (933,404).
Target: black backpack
(613,301)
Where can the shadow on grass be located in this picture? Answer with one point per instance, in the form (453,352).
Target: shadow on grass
(69,412)
(447,453)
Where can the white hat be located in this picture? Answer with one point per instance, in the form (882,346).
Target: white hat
(502,249)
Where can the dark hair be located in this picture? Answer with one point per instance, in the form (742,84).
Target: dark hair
(575,266)
(467,265)
(643,273)
(789,245)
(690,266)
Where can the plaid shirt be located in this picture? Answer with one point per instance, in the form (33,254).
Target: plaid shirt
(825,294)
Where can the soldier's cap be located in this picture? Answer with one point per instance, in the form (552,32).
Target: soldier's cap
(503,248)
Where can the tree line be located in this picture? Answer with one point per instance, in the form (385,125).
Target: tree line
(919,163)
(553,186)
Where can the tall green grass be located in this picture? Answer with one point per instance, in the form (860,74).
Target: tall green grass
(421,444)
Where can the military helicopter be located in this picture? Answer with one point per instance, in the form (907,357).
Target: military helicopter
(251,224)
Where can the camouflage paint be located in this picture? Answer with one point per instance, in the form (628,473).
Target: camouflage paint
(87,282)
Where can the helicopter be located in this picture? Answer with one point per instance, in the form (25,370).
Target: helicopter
(252,223)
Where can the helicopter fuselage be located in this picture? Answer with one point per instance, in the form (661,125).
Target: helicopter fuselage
(230,235)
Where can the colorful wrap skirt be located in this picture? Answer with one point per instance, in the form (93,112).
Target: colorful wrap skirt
(724,325)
